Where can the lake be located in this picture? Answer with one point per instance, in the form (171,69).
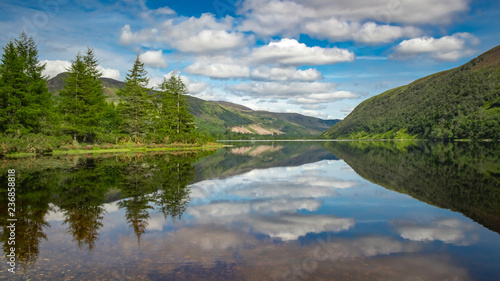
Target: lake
(259,211)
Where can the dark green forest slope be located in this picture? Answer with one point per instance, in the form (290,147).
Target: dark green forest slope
(220,118)
(461,103)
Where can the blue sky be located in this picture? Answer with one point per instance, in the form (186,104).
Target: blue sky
(316,57)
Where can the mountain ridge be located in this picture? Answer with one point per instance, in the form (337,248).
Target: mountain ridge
(223,119)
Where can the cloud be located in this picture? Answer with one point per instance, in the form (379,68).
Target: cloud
(285,74)
(54,67)
(370,32)
(291,52)
(346,20)
(226,67)
(313,107)
(210,41)
(110,73)
(195,87)
(447,48)
(260,13)
(268,18)
(323,97)
(164,11)
(219,70)
(280,90)
(193,35)
(301,93)
(238,69)
(154,59)
(450,231)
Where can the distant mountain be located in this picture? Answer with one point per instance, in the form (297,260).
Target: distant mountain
(228,120)
(461,103)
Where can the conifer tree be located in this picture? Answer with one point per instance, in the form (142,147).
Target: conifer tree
(26,102)
(136,105)
(38,96)
(82,99)
(174,104)
(12,91)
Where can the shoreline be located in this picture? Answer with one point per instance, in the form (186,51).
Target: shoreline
(98,150)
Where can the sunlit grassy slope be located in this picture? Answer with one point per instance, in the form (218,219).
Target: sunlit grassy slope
(461,103)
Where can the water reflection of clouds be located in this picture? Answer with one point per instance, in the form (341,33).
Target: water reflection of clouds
(451,231)
(228,208)
(276,218)
(320,179)
(288,190)
(361,258)
(238,220)
(268,201)
(291,226)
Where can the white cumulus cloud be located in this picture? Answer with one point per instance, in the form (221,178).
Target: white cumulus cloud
(447,48)
(54,67)
(154,59)
(110,73)
(218,70)
(193,35)
(291,52)
(285,74)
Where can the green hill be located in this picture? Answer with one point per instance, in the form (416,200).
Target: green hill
(461,103)
(225,120)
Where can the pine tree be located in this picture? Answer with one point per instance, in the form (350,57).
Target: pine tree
(12,90)
(174,105)
(82,99)
(25,100)
(39,100)
(135,107)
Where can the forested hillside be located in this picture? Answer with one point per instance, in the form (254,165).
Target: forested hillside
(225,120)
(83,112)
(461,103)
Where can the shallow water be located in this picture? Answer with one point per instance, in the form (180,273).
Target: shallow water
(260,211)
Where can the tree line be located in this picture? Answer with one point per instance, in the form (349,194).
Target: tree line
(33,118)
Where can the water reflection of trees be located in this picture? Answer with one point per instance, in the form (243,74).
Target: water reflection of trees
(32,201)
(463,176)
(80,197)
(80,190)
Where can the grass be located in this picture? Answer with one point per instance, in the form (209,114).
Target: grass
(97,150)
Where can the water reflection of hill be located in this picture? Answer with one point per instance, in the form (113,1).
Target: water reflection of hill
(247,156)
(462,177)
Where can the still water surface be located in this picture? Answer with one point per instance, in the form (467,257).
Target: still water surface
(260,211)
